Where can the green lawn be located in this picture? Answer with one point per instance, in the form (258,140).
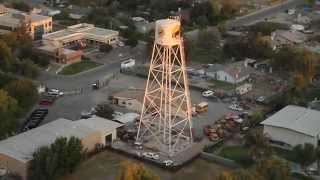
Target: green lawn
(79,67)
(285,154)
(222,85)
(238,154)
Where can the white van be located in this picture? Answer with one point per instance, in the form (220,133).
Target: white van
(128,63)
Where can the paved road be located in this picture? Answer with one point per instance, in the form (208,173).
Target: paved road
(259,15)
(85,79)
(264,13)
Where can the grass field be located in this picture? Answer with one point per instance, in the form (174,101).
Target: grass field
(237,153)
(79,67)
(222,85)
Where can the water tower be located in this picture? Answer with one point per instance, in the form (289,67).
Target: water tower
(165,121)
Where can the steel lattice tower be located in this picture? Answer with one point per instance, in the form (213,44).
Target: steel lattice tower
(166,112)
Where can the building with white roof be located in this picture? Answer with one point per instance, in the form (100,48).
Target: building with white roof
(83,32)
(127,118)
(11,19)
(293,125)
(17,151)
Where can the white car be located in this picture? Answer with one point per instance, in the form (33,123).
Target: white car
(207,93)
(55,92)
(235,107)
(121,44)
(151,155)
(261,99)
(168,162)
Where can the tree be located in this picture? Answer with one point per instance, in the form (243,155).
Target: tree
(24,91)
(206,48)
(8,112)
(52,162)
(226,175)
(273,168)
(133,171)
(27,68)
(105,111)
(242,174)
(267,169)
(310,2)
(266,28)
(304,154)
(229,7)
(252,46)
(258,144)
(21,5)
(256,118)
(5,55)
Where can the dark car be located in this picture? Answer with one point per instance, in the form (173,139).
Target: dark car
(46,102)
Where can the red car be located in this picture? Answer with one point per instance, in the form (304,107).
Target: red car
(46,102)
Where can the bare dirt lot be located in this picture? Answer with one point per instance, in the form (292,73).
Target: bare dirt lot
(107,165)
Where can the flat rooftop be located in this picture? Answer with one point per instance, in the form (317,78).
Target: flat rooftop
(13,17)
(85,30)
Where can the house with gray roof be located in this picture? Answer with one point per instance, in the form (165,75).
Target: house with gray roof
(233,73)
(293,125)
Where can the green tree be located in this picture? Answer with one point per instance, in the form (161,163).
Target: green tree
(54,161)
(258,144)
(133,171)
(256,118)
(273,168)
(21,5)
(5,56)
(206,48)
(310,2)
(27,68)
(304,154)
(104,110)
(24,91)
(8,111)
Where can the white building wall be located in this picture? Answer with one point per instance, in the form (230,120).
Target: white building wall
(223,76)
(288,136)
(103,136)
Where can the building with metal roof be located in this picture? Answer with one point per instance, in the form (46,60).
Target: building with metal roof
(293,125)
(17,151)
(81,33)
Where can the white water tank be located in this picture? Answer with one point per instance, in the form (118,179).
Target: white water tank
(167,32)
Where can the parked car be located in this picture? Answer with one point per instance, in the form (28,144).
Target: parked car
(260,99)
(121,44)
(85,115)
(55,92)
(128,64)
(235,107)
(46,102)
(150,155)
(168,162)
(207,93)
